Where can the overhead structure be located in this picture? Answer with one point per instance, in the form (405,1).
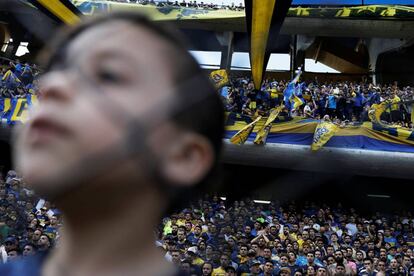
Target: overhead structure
(62,11)
(264,18)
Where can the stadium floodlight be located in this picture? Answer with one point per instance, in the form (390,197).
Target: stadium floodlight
(261,201)
(378,196)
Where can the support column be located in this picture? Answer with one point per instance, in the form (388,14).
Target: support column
(303,42)
(300,59)
(226,42)
(293,50)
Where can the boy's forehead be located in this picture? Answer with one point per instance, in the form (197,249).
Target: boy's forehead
(120,38)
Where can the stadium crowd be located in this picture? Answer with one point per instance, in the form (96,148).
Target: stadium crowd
(17,79)
(186,4)
(27,224)
(344,102)
(214,237)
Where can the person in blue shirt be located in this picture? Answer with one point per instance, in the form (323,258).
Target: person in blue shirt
(331,105)
(359,101)
(27,75)
(389,238)
(17,68)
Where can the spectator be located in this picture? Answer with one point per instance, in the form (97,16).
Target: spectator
(368,268)
(207,269)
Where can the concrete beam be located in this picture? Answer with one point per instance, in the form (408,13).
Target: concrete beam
(330,160)
(315,27)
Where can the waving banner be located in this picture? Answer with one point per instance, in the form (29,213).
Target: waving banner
(241,137)
(163,11)
(264,131)
(323,132)
(219,78)
(15,110)
(301,131)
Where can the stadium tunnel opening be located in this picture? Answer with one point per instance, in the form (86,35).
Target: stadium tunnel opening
(366,194)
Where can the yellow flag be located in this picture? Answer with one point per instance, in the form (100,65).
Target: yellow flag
(219,77)
(261,135)
(323,132)
(7,105)
(20,111)
(297,102)
(412,113)
(7,75)
(375,112)
(241,136)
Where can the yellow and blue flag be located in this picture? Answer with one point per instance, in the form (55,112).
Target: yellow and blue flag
(15,110)
(261,135)
(297,102)
(323,132)
(219,78)
(10,80)
(241,136)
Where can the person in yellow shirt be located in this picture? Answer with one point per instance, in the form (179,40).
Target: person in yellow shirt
(224,263)
(192,254)
(395,108)
(288,234)
(303,238)
(243,257)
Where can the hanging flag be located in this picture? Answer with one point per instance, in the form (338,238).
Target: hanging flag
(241,136)
(7,105)
(219,78)
(62,11)
(264,18)
(19,112)
(261,135)
(15,110)
(323,132)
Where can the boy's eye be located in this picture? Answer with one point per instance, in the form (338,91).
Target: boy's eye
(109,76)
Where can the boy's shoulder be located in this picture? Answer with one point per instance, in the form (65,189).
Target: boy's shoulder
(30,266)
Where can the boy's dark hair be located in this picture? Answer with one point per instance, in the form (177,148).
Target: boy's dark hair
(199,107)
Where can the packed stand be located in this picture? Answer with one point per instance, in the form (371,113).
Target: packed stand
(27,224)
(343,102)
(246,238)
(186,4)
(18,79)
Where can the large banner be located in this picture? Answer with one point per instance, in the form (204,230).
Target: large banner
(169,12)
(15,110)
(308,132)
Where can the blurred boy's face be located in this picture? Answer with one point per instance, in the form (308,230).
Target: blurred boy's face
(126,72)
